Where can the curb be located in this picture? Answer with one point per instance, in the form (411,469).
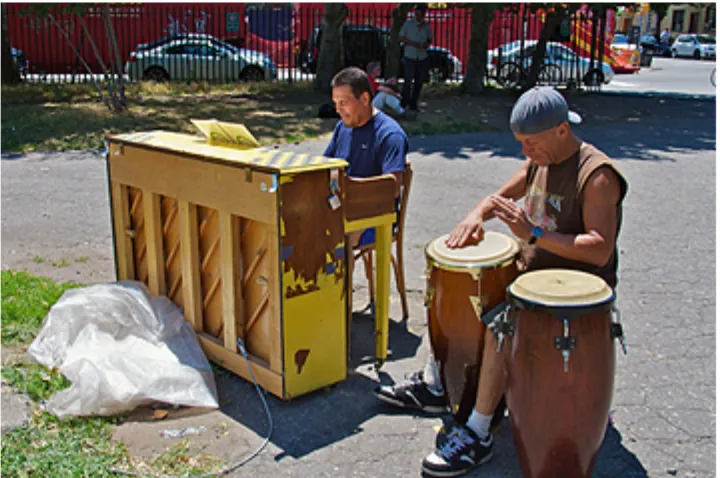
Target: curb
(659,94)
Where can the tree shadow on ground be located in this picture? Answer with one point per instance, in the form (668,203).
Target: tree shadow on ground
(635,128)
(83,125)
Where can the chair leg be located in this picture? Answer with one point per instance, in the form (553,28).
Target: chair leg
(400,279)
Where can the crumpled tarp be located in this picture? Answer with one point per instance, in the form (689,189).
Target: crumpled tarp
(122,348)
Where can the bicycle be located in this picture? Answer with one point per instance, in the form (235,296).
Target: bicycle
(712,77)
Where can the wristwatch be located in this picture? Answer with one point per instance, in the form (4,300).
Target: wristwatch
(535,233)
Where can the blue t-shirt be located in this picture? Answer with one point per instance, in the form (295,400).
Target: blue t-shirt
(378,147)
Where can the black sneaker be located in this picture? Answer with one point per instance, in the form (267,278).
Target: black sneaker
(461,452)
(412,393)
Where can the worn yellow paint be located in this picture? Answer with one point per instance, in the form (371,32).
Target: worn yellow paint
(314,322)
(361,224)
(383,240)
(283,163)
(300,159)
(286,179)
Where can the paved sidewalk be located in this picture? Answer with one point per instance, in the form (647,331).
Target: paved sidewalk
(664,402)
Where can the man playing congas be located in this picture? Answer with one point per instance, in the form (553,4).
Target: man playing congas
(571,219)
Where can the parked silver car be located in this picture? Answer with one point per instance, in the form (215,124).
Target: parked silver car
(695,46)
(561,65)
(189,59)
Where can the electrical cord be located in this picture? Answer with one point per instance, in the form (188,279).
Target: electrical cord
(245,460)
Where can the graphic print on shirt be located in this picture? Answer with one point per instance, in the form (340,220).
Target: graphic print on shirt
(541,208)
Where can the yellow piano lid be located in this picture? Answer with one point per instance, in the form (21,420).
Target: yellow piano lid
(263,158)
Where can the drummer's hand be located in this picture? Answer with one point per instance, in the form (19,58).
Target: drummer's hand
(512,215)
(469,231)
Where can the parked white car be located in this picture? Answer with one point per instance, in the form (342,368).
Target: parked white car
(695,46)
(189,59)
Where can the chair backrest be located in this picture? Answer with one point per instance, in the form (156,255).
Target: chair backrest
(404,196)
(402,211)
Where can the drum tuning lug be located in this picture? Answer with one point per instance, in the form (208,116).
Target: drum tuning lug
(429,295)
(501,339)
(565,343)
(616,330)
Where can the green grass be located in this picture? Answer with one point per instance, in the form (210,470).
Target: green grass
(35,380)
(70,117)
(26,300)
(80,446)
(82,259)
(74,447)
(53,448)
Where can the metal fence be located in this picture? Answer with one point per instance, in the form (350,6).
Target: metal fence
(228,42)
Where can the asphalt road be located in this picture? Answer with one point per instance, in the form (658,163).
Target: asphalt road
(668,75)
(56,206)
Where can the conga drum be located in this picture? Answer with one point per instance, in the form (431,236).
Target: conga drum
(462,285)
(560,370)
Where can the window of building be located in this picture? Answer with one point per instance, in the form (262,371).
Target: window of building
(678,20)
(709,18)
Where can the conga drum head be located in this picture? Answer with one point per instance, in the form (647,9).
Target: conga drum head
(496,249)
(558,289)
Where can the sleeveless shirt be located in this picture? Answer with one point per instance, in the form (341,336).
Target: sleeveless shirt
(554,199)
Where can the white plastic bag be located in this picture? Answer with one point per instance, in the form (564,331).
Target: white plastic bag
(122,348)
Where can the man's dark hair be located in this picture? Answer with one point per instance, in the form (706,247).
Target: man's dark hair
(355,78)
(421,7)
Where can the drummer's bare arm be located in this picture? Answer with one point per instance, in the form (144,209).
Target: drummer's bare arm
(596,244)
(470,229)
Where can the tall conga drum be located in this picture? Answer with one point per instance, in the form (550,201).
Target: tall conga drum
(560,370)
(462,285)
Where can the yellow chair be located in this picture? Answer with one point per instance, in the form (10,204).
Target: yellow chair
(366,251)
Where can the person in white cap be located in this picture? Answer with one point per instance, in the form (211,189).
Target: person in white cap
(571,219)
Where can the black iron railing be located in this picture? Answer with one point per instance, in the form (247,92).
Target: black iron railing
(228,42)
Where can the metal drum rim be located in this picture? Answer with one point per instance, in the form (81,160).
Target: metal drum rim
(471,266)
(568,311)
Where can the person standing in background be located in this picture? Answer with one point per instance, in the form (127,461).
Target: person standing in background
(417,37)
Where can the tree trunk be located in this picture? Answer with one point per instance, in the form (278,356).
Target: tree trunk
(98,57)
(482,16)
(82,60)
(10,75)
(113,48)
(392,58)
(552,20)
(329,59)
